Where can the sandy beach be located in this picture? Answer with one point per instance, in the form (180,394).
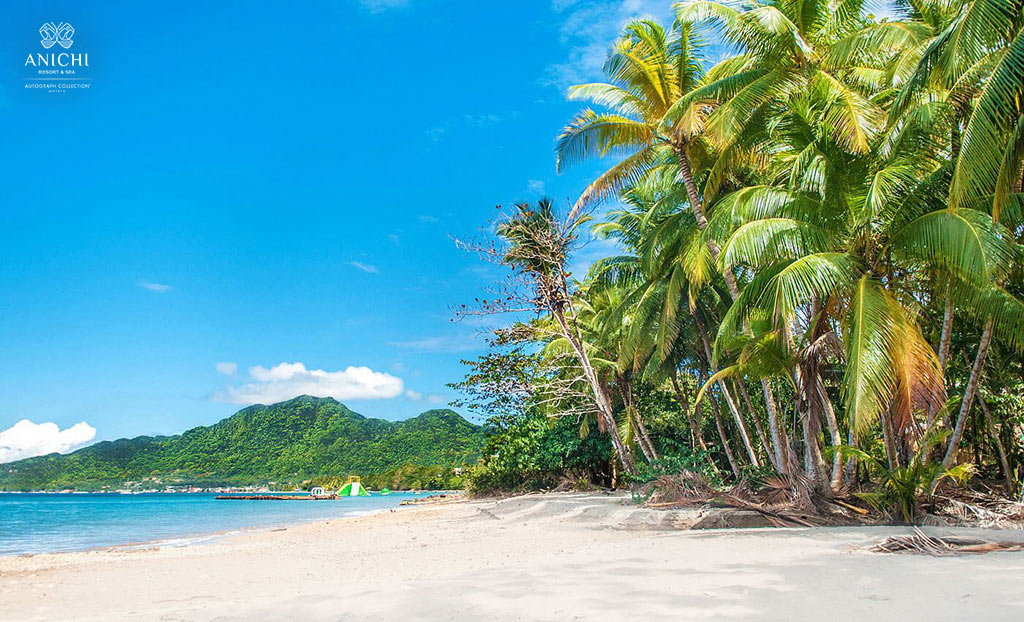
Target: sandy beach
(539,557)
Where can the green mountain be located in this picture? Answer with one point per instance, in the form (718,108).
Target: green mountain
(305,437)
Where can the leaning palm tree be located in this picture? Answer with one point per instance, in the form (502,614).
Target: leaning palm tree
(603,326)
(537,244)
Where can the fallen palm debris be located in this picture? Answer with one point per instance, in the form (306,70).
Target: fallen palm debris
(673,490)
(966,507)
(439,498)
(785,502)
(782,503)
(919,543)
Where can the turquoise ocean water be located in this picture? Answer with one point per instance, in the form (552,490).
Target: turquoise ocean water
(42,523)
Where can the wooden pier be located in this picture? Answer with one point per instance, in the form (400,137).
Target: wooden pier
(276,497)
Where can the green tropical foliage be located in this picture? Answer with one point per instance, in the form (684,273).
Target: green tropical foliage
(524,449)
(286,442)
(831,213)
(901,489)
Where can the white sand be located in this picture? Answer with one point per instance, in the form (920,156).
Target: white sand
(553,557)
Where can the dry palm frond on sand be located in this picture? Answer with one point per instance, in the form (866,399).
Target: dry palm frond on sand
(977,509)
(782,504)
(920,543)
(684,488)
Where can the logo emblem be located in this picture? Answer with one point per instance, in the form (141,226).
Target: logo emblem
(60,35)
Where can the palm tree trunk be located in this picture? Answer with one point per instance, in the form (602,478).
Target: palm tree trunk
(742,387)
(744,435)
(646,447)
(969,392)
(730,281)
(604,407)
(1004,464)
(947,329)
(944,339)
(724,438)
(642,429)
(691,419)
(718,425)
(814,461)
(780,445)
(645,439)
(810,425)
(641,440)
(834,434)
(691,190)
(890,447)
(850,472)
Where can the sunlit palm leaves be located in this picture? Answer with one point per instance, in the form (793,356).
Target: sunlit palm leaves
(852,174)
(648,70)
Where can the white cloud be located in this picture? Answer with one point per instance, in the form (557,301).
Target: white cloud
(26,439)
(435,134)
(159,288)
(448,343)
(227,368)
(287,380)
(589,29)
(471,121)
(380,6)
(536,186)
(482,120)
(365,267)
(414,395)
(435,399)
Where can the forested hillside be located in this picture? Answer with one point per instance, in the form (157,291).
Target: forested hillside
(286,442)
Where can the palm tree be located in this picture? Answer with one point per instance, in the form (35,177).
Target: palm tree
(977,56)
(597,309)
(851,239)
(538,244)
(812,213)
(786,49)
(663,279)
(649,70)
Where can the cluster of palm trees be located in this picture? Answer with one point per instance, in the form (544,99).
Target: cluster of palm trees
(821,233)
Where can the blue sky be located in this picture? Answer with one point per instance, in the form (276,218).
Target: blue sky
(262,183)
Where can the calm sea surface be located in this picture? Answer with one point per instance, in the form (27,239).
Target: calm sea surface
(40,523)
